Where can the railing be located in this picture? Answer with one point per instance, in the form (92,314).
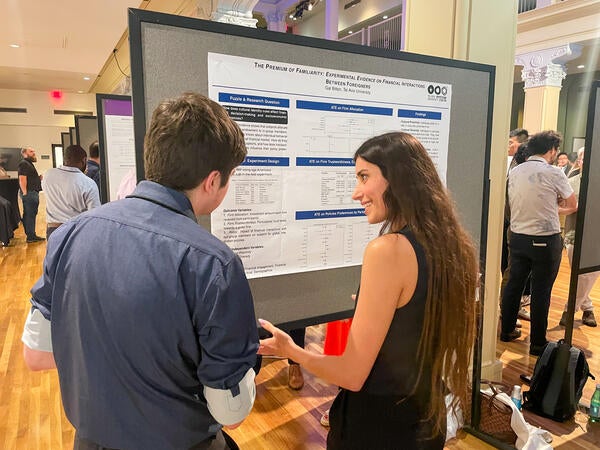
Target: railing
(384,34)
(528,5)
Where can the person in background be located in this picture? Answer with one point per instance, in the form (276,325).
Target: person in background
(535,243)
(418,281)
(585,282)
(562,161)
(127,184)
(152,319)
(68,191)
(516,138)
(93,163)
(30,184)
(576,168)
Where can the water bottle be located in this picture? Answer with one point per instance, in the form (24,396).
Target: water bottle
(595,405)
(517,396)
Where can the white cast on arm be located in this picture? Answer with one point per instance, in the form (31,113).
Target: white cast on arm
(231,406)
(37,351)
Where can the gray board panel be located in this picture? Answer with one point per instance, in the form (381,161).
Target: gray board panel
(87,131)
(590,244)
(175,60)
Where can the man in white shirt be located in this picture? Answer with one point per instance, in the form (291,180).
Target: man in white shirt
(534,191)
(69,192)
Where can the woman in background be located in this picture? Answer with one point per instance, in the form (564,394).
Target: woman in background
(413,327)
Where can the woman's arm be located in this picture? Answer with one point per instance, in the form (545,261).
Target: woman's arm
(388,280)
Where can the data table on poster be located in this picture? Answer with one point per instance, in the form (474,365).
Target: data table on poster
(290,207)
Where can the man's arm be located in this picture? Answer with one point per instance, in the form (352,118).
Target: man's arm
(228,337)
(568,205)
(23,184)
(92,197)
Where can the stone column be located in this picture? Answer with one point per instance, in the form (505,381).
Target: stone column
(237,12)
(543,72)
(331,19)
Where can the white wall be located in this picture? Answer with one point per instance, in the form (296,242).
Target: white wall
(39,127)
(315,25)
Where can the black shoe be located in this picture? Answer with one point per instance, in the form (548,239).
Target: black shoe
(537,350)
(507,337)
(589,319)
(35,239)
(563,319)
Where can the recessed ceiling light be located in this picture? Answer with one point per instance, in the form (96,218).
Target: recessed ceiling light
(14,45)
(80,92)
(581,66)
(86,78)
(385,17)
(350,32)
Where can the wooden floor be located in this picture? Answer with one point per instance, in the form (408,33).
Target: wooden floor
(31,415)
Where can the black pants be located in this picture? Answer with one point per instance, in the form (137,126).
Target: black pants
(31,202)
(504,261)
(540,256)
(297,336)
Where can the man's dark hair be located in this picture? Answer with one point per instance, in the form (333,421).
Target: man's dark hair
(542,142)
(522,153)
(94,150)
(562,153)
(520,133)
(188,138)
(74,155)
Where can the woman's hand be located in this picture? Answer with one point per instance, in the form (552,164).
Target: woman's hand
(278,345)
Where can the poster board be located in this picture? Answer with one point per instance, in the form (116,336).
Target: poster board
(115,138)
(86,130)
(160,43)
(65,139)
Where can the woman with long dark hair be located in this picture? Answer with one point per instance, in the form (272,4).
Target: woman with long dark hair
(413,328)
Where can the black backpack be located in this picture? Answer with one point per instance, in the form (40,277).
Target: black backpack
(557,383)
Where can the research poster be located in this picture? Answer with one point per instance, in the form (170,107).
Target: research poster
(120,144)
(290,207)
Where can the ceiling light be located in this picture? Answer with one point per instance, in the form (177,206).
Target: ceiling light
(350,32)
(86,78)
(581,66)
(14,45)
(385,17)
(291,16)
(310,6)
(80,92)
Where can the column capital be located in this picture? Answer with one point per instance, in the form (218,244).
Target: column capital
(546,67)
(237,12)
(548,75)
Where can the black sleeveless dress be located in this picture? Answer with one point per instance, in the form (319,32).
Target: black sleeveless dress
(385,413)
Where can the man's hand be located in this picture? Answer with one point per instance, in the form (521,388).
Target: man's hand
(278,345)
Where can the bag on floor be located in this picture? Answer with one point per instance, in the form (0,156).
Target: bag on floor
(557,383)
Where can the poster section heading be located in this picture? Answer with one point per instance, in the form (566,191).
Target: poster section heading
(290,208)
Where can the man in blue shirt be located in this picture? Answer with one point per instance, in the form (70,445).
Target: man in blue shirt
(153,327)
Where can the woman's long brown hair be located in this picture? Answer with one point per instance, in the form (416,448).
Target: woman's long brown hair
(416,197)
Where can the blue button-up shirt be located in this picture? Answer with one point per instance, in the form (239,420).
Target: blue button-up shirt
(146,308)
